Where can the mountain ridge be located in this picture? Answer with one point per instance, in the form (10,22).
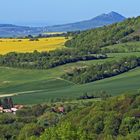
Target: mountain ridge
(98,21)
(11,30)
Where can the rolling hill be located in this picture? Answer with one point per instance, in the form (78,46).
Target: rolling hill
(39,86)
(94,39)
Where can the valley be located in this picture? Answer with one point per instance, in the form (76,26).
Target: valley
(32,78)
(40,86)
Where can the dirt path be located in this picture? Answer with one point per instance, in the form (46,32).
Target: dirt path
(7,95)
(18,93)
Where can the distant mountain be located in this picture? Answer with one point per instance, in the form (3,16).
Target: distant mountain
(101,20)
(9,30)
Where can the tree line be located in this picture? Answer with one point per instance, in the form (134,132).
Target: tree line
(101,71)
(45,60)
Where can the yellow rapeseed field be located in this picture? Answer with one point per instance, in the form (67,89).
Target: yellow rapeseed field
(25,45)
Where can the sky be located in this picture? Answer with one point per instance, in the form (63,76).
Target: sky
(52,12)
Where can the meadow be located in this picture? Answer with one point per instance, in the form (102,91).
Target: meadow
(26,45)
(39,86)
(124,47)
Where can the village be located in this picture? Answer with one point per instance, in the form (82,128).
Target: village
(7,106)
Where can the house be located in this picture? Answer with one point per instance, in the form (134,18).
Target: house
(18,106)
(1,109)
(11,110)
(61,109)
(14,110)
(58,109)
(7,110)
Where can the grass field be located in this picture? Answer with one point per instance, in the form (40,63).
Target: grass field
(43,88)
(24,45)
(125,47)
(38,86)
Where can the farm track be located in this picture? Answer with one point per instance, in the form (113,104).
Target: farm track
(19,93)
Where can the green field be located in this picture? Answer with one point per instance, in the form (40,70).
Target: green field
(125,47)
(38,86)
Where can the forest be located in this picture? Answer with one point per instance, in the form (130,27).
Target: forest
(111,118)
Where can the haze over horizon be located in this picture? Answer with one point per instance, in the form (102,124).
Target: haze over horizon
(45,12)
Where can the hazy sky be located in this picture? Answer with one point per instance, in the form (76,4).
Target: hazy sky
(48,12)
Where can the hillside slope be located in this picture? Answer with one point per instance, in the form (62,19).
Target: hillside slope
(39,86)
(107,35)
(114,119)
